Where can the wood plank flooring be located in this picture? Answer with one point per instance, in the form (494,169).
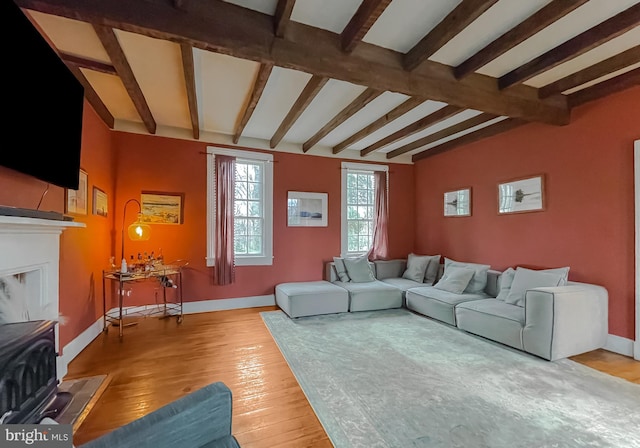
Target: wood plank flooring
(159,360)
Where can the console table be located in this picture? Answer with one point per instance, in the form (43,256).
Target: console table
(168,276)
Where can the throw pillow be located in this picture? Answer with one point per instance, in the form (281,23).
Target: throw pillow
(416,267)
(455,279)
(525,279)
(341,270)
(431,274)
(506,279)
(479,280)
(359,270)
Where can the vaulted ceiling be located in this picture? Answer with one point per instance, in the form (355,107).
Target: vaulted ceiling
(394,80)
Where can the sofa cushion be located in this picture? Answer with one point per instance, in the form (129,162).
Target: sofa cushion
(455,279)
(359,269)
(375,295)
(525,279)
(492,319)
(416,267)
(341,270)
(431,274)
(436,303)
(506,279)
(402,283)
(479,280)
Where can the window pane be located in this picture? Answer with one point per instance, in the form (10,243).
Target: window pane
(240,244)
(255,227)
(352,212)
(240,208)
(255,192)
(241,171)
(352,181)
(255,245)
(254,209)
(241,190)
(240,226)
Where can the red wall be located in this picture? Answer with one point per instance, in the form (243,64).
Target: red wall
(163,164)
(588,223)
(84,252)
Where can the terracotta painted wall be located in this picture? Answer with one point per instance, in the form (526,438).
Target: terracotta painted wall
(84,252)
(589,219)
(162,164)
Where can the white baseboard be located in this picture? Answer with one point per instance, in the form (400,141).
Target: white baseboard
(636,350)
(73,348)
(620,345)
(205,306)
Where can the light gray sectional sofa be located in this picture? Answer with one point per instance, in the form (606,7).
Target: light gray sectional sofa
(551,322)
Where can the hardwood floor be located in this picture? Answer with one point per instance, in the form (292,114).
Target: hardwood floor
(159,360)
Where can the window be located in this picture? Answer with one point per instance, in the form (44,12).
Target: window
(358,206)
(253,202)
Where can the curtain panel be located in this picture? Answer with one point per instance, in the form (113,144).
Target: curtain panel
(380,244)
(224,269)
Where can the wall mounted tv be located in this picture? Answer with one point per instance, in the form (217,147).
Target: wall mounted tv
(42,104)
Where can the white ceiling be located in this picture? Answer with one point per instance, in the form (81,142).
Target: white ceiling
(224,83)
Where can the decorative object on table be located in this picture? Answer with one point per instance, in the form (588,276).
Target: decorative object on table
(458,202)
(162,208)
(76,200)
(306,209)
(521,195)
(100,202)
(137,231)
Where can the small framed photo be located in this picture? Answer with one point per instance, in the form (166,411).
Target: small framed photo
(306,209)
(76,200)
(521,195)
(458,202)
(100,205)
(160,207)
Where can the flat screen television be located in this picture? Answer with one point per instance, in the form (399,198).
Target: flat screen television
(42,104)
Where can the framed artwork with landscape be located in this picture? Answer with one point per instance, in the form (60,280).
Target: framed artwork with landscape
(521,195)
(159,207)
(306,209)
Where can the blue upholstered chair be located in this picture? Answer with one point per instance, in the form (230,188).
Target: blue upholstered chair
(198,420)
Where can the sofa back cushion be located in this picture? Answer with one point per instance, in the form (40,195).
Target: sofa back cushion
(525,279)
(341,270)
(455,279)
(479,281)
(416,267)
(359,269)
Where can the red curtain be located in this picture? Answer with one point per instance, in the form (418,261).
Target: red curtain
(380,245)
(225,272)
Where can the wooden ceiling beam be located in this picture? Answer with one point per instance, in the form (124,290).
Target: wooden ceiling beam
(256,93)
(229,29)
(417,126)
(92,97)
(361,22)
(313,87)
(90,64)
(281,19)
(356,105)
(480,134)
(518,34)
(583,42)
(457,20)
(190,83)
(610,65)
(387,118)
(459,127)
(110,43)
(617,84)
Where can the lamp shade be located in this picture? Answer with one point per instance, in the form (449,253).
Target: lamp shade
(139,231)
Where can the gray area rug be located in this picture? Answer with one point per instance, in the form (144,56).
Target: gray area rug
(395,379)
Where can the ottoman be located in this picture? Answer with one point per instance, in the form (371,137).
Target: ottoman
(299,299)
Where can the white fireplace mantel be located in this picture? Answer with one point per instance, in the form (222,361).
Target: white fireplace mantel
(31,246)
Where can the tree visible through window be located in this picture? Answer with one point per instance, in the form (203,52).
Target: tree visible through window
(360,210)
(248,212)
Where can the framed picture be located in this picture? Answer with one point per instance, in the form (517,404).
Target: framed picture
(458,202)
(521,195)
(99,202)
(162,208)
(76,200)
(306,209)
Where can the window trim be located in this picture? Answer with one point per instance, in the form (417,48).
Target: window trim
(241,260)
(353,166)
